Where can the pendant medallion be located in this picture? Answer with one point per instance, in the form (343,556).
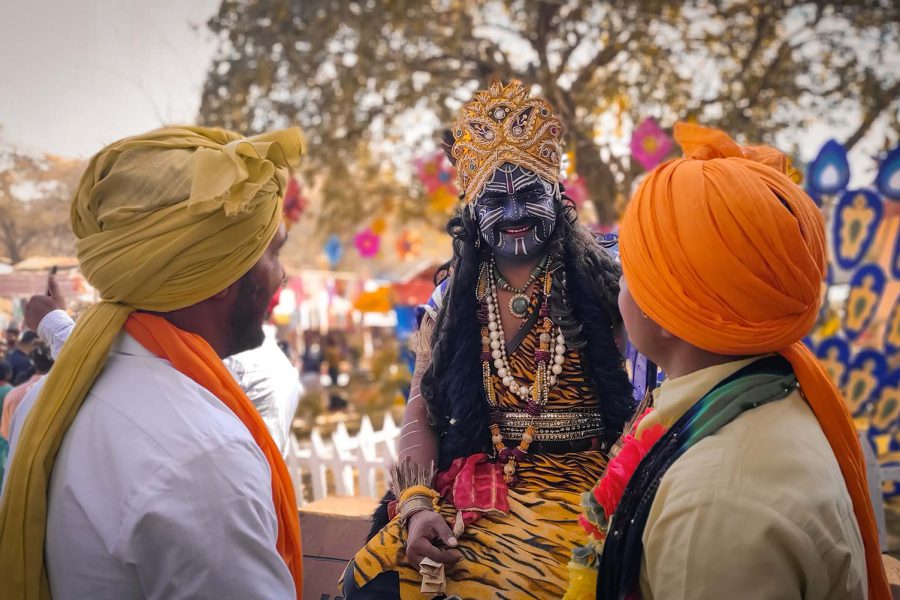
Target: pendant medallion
(518,306)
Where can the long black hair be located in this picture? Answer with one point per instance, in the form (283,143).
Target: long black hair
(583,305)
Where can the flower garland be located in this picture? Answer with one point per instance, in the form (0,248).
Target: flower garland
(600,504)
(548,366)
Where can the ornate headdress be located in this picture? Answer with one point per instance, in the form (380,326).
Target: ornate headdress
(502,124)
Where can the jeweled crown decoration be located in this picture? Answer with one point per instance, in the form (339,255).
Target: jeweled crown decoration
(502,124)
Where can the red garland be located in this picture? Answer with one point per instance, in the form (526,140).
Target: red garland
(609,490)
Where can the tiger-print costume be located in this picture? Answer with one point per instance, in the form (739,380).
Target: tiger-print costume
(523,554)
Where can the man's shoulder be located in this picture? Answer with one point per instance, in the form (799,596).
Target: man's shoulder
(144,428)
(774,456)
(157,406)
(435,302)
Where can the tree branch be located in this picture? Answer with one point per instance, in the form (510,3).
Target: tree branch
(602,57)
(882,101)
(762,28)
(567,54)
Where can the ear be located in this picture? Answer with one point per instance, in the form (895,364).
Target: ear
(665,333)
(224,293)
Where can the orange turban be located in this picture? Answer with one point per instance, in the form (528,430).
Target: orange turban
(725,251)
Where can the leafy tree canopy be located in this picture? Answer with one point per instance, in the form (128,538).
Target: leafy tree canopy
(373,82)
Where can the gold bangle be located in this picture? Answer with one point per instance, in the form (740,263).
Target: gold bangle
(414,504)
(418,490)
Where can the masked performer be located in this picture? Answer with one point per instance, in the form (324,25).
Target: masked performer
(519,385)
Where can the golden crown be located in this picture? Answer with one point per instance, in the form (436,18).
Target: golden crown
(502,124)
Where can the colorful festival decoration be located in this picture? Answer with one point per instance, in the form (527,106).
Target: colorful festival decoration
(866,289)
(888,179)
(294,203)
(650,144)
(834,354)
(858,346)
(892,330)
(442,201)
(436,174)
(374,301)
(856,219)
(378,226)
(367,243)
(567,165)
(334,250)
(435,171)
(409,244)
(864,377)
(576,190)
(895,260)
(829,172)
(886,409)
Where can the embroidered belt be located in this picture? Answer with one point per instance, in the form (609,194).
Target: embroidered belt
(552,426)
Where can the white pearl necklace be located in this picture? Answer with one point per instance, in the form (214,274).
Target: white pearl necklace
(497,344)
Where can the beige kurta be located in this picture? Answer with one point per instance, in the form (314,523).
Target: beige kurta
(758,510)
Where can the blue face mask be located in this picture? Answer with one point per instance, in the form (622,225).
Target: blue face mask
(516,213)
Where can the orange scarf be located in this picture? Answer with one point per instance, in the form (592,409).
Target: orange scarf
(192,356)
(725,251)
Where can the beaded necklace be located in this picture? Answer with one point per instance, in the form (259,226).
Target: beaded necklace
(518,304)
(548,365)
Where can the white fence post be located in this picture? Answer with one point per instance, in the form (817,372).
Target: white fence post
(295,458)
(367,454)
(320,453)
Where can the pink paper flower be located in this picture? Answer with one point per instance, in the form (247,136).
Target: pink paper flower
(436,172)
(294,202)
(367,243)
(650,144)
(576,190)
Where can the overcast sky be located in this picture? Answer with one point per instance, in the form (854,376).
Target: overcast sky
(77,74)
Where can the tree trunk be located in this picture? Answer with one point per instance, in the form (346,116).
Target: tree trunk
(13,251)
(599,179)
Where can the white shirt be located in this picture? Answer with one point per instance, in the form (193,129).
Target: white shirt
(265,374)
(757,510)
(158,491)
(272,383)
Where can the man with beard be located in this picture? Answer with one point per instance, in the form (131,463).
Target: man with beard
(518,390)
(139,469)
(264,373)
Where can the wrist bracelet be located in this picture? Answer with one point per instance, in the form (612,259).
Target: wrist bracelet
(415,504)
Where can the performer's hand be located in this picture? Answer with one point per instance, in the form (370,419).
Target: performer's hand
(426,529)
(39,306)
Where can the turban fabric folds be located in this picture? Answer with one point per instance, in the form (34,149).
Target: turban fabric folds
(163,221)
(725,251)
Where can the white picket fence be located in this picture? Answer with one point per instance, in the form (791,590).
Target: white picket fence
(357,463)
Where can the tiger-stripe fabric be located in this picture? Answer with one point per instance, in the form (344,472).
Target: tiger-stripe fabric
(522,555)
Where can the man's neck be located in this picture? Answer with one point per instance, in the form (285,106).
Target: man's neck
(517,272)
(689,362)
(215,334)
